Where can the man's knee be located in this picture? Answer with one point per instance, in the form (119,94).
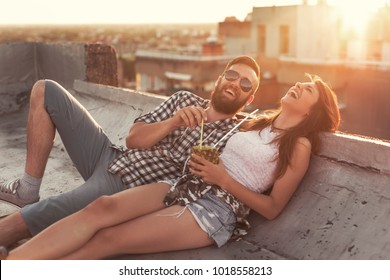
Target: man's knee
(38,93)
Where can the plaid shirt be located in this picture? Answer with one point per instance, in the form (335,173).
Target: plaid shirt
(166,159)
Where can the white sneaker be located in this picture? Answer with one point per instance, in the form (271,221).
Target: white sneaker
(9,194)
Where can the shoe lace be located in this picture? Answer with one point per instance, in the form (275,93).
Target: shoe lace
(11,187)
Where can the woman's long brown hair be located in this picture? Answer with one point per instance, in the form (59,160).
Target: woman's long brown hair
(323,116)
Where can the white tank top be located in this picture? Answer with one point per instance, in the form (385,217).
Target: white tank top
(249,157)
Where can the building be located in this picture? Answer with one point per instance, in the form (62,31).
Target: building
(165,72)
(289,41)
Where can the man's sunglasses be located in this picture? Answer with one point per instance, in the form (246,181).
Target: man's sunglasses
(232,75)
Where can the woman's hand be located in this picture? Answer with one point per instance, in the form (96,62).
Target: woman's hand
(209,172)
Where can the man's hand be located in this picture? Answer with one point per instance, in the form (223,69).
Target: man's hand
(189,116)
(145,135)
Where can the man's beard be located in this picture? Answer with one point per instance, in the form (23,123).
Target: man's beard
(224,105)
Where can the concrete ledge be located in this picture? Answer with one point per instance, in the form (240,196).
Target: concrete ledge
(126,96)
(361,151)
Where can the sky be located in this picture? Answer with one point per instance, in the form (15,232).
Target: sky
(147,11)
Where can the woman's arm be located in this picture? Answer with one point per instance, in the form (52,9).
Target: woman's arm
(269,206)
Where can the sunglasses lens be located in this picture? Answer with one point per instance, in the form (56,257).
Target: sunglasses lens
(231,75)
(245,85)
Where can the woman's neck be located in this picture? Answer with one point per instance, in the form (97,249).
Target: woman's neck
(286,121)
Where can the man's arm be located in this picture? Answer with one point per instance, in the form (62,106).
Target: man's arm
(145,135)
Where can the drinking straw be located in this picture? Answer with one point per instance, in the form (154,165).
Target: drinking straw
(235,127)
(201,134)
(211,133)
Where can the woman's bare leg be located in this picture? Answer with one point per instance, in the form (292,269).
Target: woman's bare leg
(161,231)
(74,231)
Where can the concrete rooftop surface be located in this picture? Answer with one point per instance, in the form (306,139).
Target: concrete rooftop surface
(340,211)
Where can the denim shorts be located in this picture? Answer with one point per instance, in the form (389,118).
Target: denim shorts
(215,217)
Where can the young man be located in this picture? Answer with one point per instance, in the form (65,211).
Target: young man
(157,146)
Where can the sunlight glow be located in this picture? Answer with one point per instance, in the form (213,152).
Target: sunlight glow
(356,20)
(356,14)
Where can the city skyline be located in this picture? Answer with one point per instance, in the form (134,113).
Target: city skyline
(22,12)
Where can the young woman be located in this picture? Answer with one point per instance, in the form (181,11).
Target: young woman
(190,212)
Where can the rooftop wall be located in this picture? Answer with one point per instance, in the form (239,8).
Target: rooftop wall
(21,64)
(17,74)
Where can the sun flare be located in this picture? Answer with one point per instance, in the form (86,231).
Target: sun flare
(355,15)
